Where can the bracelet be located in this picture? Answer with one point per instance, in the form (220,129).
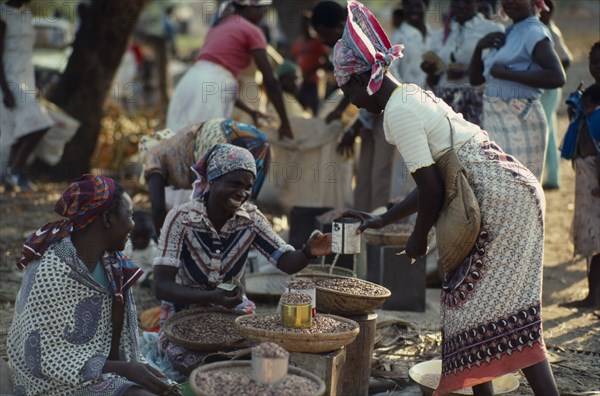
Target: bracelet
(306,252)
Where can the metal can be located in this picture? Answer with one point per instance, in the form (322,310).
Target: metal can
(269,371)
(345,240)
(312,292)
(296,316)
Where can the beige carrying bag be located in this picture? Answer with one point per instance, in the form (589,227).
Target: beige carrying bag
(458,223)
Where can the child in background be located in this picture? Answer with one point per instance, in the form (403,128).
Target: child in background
(582,145)
(287,74)
(141,247)
(311,55)
(397,17)
(591,108)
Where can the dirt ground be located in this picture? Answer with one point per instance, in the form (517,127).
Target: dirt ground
(572,336)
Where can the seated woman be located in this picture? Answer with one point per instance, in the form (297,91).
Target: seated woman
(75,325)
(205,242)
(169,163)
(491,302)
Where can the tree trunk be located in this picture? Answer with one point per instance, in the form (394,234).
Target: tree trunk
(82,90)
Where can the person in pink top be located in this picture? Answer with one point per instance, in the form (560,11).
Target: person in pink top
(210,89)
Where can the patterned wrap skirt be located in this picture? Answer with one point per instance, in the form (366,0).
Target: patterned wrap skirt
(585,230)
(491,303)
(520,128)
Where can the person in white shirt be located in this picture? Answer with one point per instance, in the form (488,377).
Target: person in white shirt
(415,34)
(455,47)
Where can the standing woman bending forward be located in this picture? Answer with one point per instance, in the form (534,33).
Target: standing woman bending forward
(491,303)
(210,88)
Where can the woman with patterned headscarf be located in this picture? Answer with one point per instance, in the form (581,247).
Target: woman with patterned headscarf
(206,241)
(210,88)
(75,325)
(168,157)
(491,302)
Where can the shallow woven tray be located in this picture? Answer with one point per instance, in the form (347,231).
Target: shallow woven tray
(324,269)
(337,302)
(393,234)
(192,314)
(299,342)
(247,364)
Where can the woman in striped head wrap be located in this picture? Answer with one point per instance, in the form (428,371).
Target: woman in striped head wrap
(206,241)
(482,338)
(75,325)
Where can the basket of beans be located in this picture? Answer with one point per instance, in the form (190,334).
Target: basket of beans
(395,234)
(327,333)
(346,296)
(234,378)
(205,329)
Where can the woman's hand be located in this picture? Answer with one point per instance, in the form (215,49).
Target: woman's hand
(142,374)
(500,71)
(320,244)
(257,116)
(9,98)
(285,131)
(416,247)
(456,71)
(345,147)
(492,40)
(367,220)
(228,299)
(430,68)
(334,115)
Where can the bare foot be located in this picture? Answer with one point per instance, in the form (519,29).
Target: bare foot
(587,302)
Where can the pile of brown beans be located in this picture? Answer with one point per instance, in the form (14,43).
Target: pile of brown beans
(351,286)
(270,350)
(295,298)
(321,324)
(238,381)
(210,328)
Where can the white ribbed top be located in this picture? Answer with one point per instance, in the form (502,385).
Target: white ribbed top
(415,122)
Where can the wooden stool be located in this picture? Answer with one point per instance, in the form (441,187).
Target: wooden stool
(357,370)
(327,366)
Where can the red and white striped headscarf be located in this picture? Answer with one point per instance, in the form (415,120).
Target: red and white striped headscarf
(363,46)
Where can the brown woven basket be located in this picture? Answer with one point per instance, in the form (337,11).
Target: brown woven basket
(198,391)
(393,234)
(324,269)
(299,342)
(341,303)
(192,314)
